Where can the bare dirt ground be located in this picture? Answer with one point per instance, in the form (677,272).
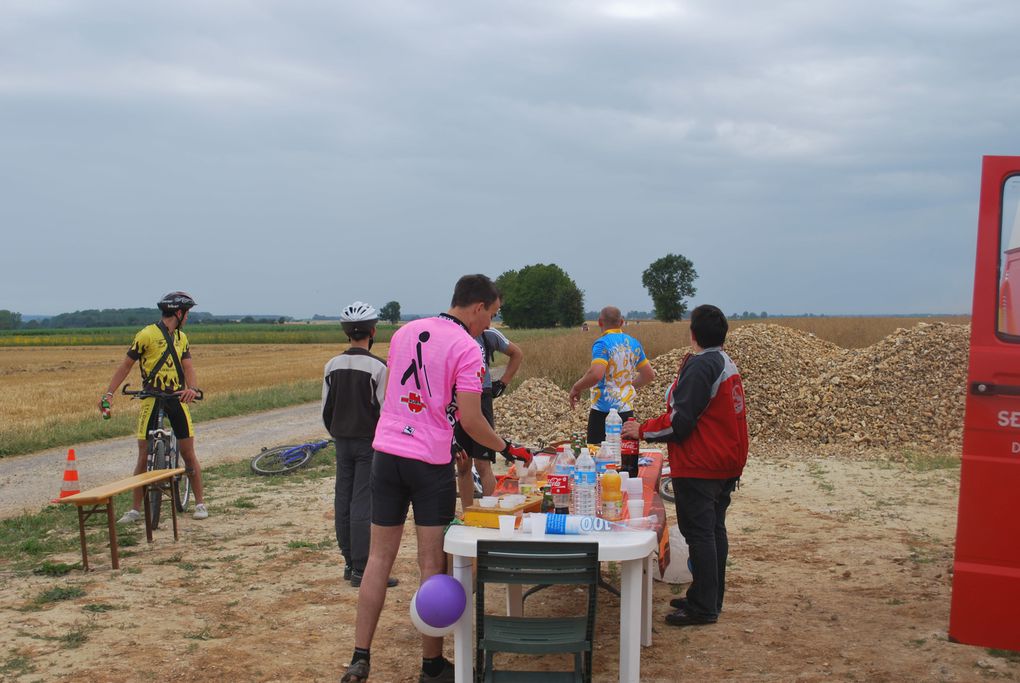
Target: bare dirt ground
(840,570)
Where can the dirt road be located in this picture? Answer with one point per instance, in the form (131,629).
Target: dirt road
(28,482)
(839,570)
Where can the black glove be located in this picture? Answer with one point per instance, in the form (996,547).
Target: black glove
(498,387)
(512,452)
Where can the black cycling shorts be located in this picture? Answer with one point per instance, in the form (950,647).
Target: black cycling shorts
(477,450)
(597,425)
(398,482)
(176,412)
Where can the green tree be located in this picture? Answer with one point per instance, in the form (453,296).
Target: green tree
(9,320)
(669,281)
(390,312)
(540,295)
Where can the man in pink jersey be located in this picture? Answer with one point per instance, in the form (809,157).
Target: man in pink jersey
(435,379)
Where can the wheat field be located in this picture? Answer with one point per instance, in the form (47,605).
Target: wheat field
(48,395)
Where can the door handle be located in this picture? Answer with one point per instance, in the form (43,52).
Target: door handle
(989,389)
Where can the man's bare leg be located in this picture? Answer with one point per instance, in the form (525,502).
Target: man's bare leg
(382,551)
(431,560)
(187,447)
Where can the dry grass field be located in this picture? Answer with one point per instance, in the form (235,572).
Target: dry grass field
(48,395)
(53,388)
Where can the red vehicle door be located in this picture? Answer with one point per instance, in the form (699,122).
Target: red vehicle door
(985,606)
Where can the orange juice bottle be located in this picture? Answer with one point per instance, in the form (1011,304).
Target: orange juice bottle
(612,498)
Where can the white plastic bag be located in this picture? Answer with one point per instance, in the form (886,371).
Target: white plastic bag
(677,571)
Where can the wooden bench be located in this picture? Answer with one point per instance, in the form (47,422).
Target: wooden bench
(100,499)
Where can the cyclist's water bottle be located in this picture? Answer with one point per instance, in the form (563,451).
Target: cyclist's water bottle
(614,425)
(104,408)
(583,494)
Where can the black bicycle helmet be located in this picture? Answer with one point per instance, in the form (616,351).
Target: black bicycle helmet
(176,301)
(358,320)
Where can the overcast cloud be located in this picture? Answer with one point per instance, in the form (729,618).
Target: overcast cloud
(290,157)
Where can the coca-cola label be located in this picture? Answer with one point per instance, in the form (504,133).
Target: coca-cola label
(559,483)
(629,447)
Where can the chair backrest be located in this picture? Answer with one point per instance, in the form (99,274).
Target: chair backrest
(538,562)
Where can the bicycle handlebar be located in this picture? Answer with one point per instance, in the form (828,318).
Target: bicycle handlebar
(152,393)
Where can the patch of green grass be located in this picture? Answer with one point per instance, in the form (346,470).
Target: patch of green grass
(817,472)
(917,642)
(48,568)
(128,540)
(321,545)
(17,665)
(1008,655)
(133,570)
(59,593)
(917,461)
(894,601)
(204,634)
(173,559)
(75,637)
(99,607)
(245,502)
(188,566)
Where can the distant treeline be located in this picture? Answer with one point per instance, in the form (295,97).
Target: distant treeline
(120,317)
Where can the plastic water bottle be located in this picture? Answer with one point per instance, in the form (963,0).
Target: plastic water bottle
(583,493)
(559,481)
(614,426)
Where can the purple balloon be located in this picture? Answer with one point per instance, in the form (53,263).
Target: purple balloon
(440,600)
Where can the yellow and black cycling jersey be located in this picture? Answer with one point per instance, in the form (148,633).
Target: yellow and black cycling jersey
(148,348)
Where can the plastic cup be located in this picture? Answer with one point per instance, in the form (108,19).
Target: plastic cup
(506,525)
(489,501)
(538,524)
(624,476)
(542,462)
(634,488)
(507,502)
(636,508)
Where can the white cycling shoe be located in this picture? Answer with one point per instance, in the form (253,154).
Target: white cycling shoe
(200,511)
(130,517)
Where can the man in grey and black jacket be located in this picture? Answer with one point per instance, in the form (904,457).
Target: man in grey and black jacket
(352,393)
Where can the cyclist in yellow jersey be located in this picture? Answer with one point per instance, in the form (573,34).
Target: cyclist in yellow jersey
(148,349)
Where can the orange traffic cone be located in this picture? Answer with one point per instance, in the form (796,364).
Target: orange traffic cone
(70,485)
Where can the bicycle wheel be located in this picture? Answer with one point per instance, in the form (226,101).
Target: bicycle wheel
(666,489)
(159,448)
(281,460)
(183,482)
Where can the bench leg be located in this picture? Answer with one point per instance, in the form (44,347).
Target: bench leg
(114,556)
(174,492)
(81,534)
(148,514)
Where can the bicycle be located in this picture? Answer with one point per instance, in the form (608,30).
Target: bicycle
(163,453)
(286,459)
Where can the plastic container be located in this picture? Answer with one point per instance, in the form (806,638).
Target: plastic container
(614,427)
(583,494)
(630,451)
(559,481)
(612,497)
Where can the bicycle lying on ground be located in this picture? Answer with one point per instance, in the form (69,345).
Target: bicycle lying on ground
(284,459)
(163,453)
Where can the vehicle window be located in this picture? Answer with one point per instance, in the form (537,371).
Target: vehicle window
(1009,262)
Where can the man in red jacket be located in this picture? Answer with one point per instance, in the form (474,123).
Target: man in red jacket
(705,429)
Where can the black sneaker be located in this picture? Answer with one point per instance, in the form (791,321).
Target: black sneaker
(347,572)
(681,603)
(445,676)
(684,618)
(357,576)
(356,672)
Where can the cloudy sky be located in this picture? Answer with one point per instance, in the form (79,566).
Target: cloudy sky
(290,157)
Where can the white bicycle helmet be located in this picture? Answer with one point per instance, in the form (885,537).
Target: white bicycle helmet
(358,312)
(358,320)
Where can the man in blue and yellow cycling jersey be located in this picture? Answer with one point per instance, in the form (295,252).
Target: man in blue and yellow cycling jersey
(618,369)
(160,372)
